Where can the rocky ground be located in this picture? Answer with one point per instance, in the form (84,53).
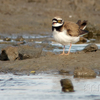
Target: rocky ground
(49,62)
(35,17)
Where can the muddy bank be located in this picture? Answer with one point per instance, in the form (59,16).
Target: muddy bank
(50,62)
(34,17)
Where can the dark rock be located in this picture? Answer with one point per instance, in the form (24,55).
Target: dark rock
(84,72)
(91,30)
(82,40)
(7,39)
(91,48)
(22,52)
(67,85)
(29,52)
(10,53)
(19,38)
(10,79)
(64,72)
(3,56)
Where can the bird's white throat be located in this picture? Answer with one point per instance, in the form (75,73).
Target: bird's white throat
(57,25)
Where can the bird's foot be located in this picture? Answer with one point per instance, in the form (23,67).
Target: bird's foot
(64,54)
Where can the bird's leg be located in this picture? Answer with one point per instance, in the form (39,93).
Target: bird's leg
(69,49)
(63,51)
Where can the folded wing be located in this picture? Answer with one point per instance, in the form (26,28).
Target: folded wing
(76,29)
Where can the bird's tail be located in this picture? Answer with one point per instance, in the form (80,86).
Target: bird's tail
(82,26)
(82,32)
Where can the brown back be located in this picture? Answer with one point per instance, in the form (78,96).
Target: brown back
(72,28)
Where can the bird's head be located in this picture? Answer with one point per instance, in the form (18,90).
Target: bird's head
(57,21)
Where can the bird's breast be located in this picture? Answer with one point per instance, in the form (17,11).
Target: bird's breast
(63,37)
(60,37)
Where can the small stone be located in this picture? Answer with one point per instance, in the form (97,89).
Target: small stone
(7,39)
(19,38)
(84,72)
(91,48)
(67,85)
(62,72)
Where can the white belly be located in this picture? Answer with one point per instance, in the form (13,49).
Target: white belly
(63,38)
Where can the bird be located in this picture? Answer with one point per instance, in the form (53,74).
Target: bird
(67,32)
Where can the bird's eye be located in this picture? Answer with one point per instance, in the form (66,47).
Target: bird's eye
(59,21)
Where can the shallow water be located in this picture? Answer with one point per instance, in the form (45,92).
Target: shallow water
(46,87)
(74,48)
(40,39)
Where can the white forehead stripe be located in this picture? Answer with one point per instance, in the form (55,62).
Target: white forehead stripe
(54,21)
(57,18)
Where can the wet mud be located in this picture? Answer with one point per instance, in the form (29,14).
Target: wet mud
(49,62)
(21,17)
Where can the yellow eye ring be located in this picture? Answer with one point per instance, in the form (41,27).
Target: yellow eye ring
(59,21)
